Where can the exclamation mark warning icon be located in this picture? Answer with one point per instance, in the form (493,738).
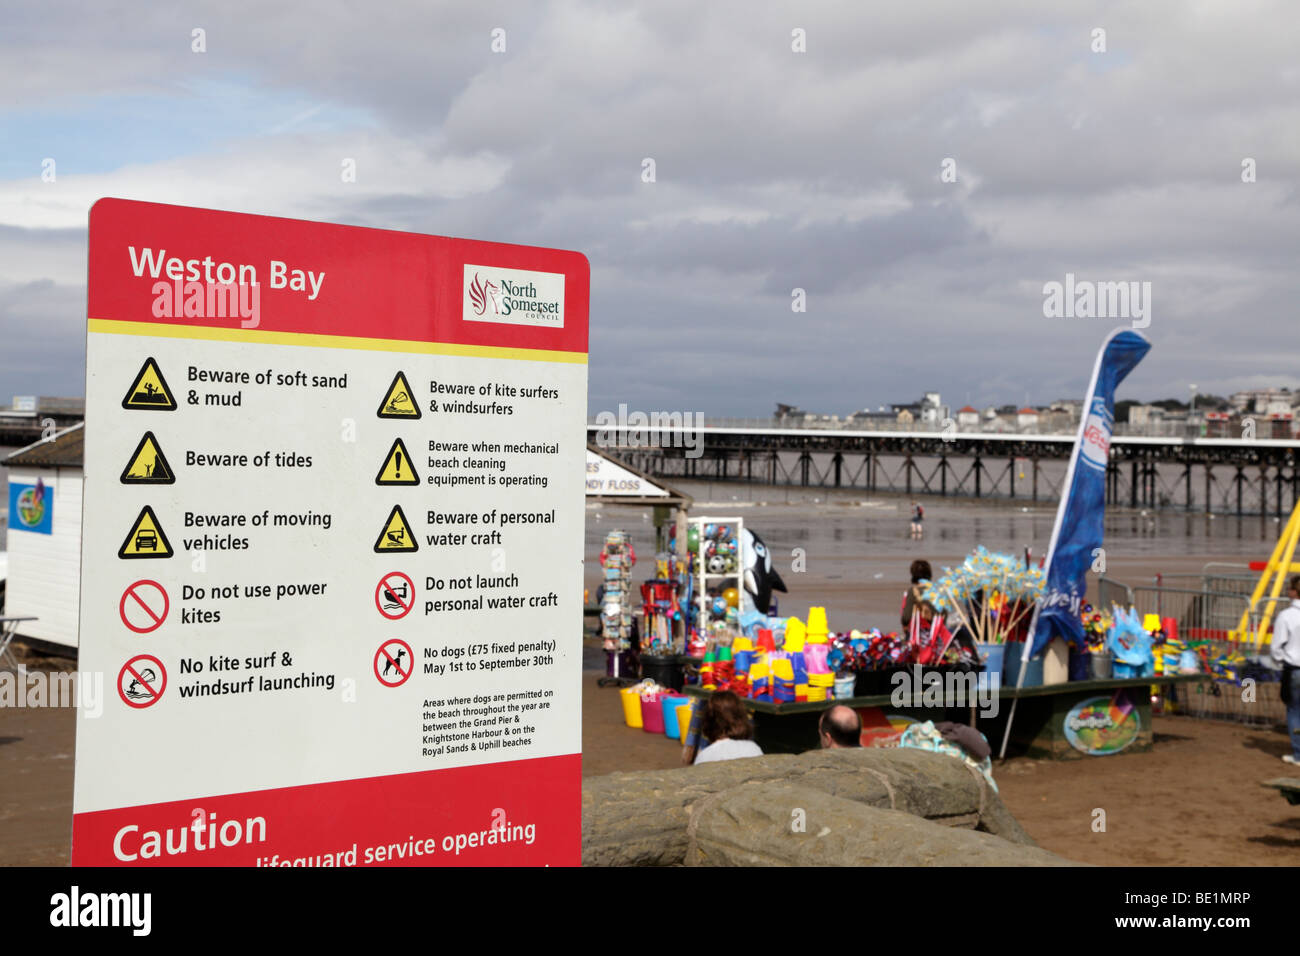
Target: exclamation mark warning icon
(397,468)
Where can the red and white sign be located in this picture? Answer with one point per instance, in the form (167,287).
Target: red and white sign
(394,663)
(395,595)
(144,606)
(449,734)
(141,681)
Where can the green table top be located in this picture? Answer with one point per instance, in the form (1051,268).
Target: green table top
(1004,693)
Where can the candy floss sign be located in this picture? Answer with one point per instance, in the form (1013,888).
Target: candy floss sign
(1095,451)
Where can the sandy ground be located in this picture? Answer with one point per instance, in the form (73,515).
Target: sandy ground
(1194,801)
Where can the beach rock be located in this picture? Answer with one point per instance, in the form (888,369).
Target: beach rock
(785,824)
(640,819)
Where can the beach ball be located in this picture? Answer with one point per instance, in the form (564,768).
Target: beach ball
(719,607)
(693,537)
(710,530)
(732,597)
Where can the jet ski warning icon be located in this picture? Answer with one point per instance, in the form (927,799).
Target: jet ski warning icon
(396,535)
(149,390)
(399,400)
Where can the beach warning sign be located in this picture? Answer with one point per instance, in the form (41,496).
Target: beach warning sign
(396,534)
(148,465)
(397,469)
(399,400)
(146,539)
(149,390)
(361,423)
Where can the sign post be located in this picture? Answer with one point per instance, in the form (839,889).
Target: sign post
(356,640)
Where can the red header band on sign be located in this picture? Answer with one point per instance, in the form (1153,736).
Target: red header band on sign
(159,264)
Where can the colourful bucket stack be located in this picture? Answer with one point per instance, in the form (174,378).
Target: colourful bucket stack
(782,677)
(794,635)
(818,630)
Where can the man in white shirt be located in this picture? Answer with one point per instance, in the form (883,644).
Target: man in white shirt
(1286,651)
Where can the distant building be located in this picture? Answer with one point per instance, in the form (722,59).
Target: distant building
(45,481)
(1264,401)
(968,418)
(1027,419)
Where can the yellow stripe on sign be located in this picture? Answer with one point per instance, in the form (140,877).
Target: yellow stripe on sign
(261,337)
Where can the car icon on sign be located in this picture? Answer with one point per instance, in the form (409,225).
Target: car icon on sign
(146,541)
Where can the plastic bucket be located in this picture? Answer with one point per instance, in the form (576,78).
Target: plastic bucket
(684,718)
(993,657)
(1011,665)
(1100,666)
(663,670)
(652,715)
(631,706)
(672,728)
(844,686)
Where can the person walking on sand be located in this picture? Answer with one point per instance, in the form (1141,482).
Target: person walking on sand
(918,513)
(1286,651)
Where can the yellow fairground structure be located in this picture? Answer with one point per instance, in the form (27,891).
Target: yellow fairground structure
(1280,565)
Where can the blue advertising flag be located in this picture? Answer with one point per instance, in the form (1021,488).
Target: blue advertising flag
(1079,519)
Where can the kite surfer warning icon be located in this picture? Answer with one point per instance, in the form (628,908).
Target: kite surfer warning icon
(149,390)
(399,401)
(397,468)
(146,539)
(397,534)
(148,465)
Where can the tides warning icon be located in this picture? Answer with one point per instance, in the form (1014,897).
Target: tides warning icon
(397,468)
(149,390)
(148,465)
(396,535)
(399,400)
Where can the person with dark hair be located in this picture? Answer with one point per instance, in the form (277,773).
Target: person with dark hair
(921,575)
(1286,651)
(840,727)
(727,728)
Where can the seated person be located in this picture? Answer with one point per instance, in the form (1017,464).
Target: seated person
(727,728)
(840,727)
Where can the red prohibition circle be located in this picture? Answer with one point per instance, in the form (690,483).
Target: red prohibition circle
(386,588)
(391,663)
(140,692)
(138,600)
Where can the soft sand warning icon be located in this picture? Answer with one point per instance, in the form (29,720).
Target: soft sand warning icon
(149,390)
(399,401)
(397,534)
(397,468)
(148,465)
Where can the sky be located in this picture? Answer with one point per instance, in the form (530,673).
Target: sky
(919,170)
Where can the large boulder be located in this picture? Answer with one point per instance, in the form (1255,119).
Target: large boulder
(782,824)
(641,819)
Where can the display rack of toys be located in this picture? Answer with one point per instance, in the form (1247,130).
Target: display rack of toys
(714,545)
(616,613)
(660,610)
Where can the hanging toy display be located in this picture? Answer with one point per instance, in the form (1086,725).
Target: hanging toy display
(616,561)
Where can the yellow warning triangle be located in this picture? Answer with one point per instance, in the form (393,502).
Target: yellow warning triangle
(149,390)
(399,401)
(397,534)
(148,465)
(397,468)
(146,539)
